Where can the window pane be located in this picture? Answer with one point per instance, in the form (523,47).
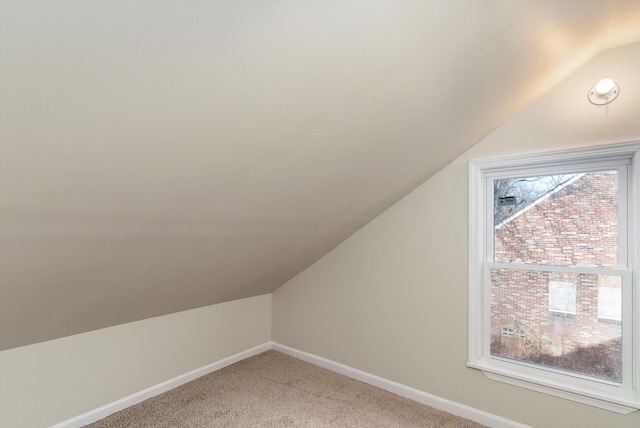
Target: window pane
(558,220)
(564,331)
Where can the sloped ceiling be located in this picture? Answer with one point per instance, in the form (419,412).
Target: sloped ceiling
(157,156)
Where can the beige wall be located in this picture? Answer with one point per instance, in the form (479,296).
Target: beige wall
(49,382)
(392,299)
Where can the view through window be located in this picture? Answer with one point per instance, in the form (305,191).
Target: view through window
(552,236)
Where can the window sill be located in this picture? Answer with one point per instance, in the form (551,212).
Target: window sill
(598,399)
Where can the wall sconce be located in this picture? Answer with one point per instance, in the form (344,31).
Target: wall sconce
(604,92)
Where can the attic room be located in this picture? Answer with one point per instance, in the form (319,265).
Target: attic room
(185,184)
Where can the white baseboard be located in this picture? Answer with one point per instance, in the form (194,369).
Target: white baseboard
(439,403)
(106,410)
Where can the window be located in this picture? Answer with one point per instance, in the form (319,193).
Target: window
(507,331)
(553,249)
(610,303)
(562,297)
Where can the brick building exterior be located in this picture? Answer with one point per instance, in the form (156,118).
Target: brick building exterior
(556,313)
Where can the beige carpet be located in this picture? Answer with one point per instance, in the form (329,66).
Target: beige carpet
(275,390)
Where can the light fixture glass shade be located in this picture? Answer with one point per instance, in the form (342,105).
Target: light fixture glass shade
(604,86)
(605,91)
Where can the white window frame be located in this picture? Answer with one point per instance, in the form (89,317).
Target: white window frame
(618,397)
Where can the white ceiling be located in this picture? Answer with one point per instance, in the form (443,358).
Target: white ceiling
(157,156)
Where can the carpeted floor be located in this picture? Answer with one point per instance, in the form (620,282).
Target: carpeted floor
(275,390)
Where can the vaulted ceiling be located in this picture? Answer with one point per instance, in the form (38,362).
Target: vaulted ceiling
(157,156)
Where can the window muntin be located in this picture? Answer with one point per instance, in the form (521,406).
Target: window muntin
(617,392)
